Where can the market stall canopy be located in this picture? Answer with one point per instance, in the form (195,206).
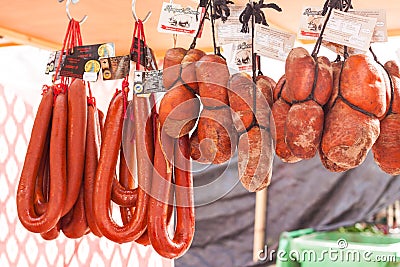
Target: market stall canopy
(43,22)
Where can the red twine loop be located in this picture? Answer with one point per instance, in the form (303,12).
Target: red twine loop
(72,38)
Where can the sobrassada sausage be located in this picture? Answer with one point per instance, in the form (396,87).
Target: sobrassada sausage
(251,116)
(310,83)
(76,141)
(386,149)
(327,163)
(57,188)
(352,125)
(215,123)
(179,108)
(280,111)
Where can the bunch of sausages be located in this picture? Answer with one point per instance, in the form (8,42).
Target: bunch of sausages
(70,176)
(341,110)
(49,197)
(235,113)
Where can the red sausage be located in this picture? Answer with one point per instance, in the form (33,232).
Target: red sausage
(161,191)
(107,165)
(76,141)
(57,186)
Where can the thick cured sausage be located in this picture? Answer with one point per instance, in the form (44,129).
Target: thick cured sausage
(215,127)
(251,116)
(179,108)
(310,83)
(161,193)
(327,163)
(352,125)
(387,147)
(76,141)
(280,111)
(57,185)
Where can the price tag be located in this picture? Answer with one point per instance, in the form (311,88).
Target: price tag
(147,82)
(273,43)
(176,19)
(228,32)
(311,23)
(53,61)
(114,68)
(350,30)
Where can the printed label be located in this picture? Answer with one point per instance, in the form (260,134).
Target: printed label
(350,30)
(273,43)
(95,51)
(311,23)
(76,67)
(114,68)
(228,32)
(147,58)
(147,82)
(380,30)
(241,58)
(179,20)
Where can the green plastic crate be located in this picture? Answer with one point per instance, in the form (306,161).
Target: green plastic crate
(306,248)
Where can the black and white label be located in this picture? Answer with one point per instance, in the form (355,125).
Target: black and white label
(147,82)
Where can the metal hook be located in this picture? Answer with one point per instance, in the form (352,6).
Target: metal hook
(134,13)
(69,14)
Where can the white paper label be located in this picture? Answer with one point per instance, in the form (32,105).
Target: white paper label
(380,30)
(241,56)
(350,30)
(230,31)
(90,76)
(273,43)
(398,54)
(311,23)
(176,19)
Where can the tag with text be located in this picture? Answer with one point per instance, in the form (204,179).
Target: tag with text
(228,32)
(273,43)
(114,68)
(176,19)
(350,30)
(147,82)
(310,23)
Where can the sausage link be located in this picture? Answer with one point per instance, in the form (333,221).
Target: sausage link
(107,165)
(216,132)
(26,187)
(76,141)
(92,151)
(161,192)
(78,225)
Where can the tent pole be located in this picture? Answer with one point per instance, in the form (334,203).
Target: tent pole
(260,225)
